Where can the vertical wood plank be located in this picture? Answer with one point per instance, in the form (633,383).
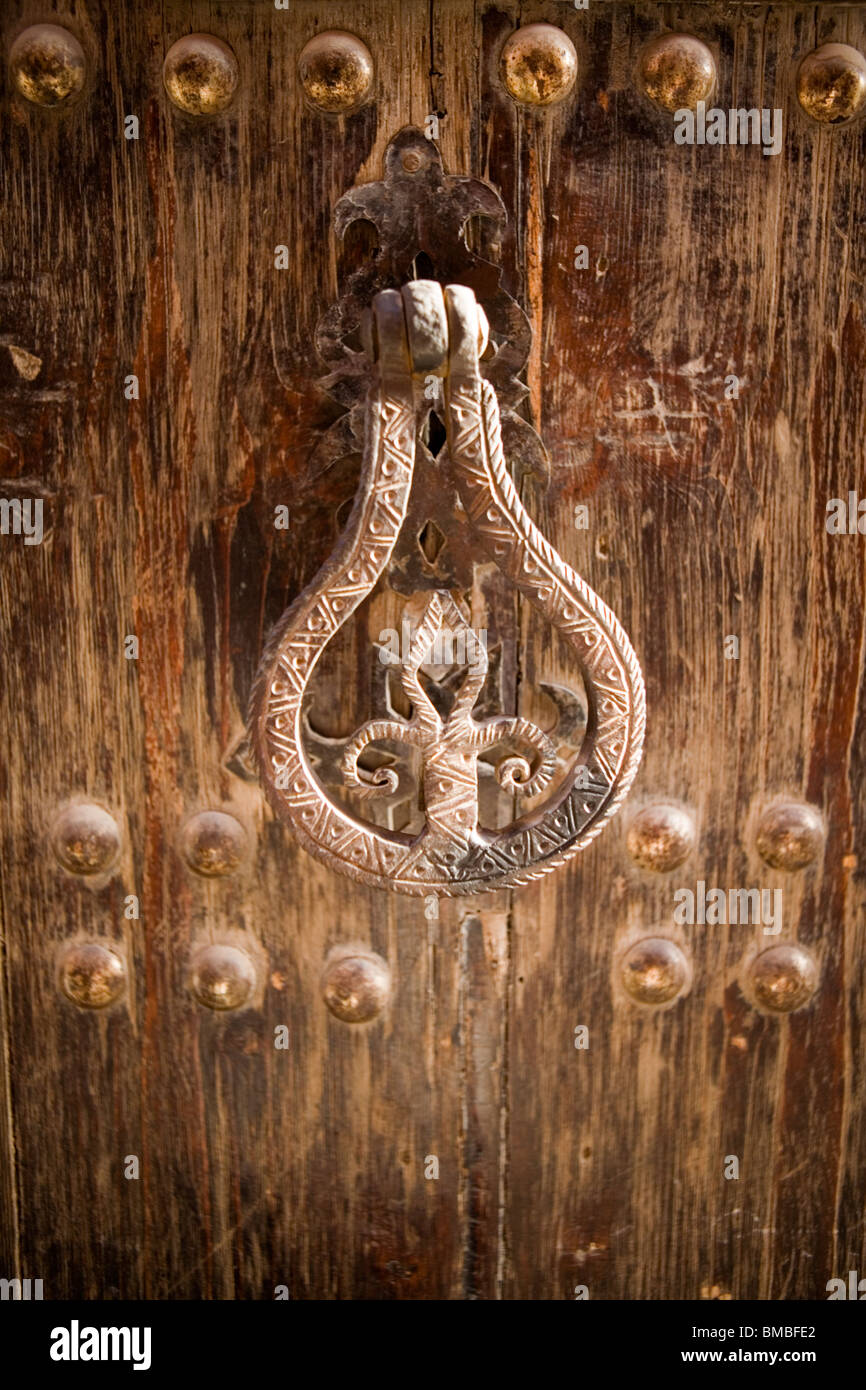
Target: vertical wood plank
(707,519)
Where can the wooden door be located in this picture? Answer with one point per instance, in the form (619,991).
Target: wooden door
(565,1089)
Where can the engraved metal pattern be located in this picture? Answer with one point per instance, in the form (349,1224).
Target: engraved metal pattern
(450,746)
(416,331)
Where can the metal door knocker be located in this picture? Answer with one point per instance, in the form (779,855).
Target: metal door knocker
(418,332)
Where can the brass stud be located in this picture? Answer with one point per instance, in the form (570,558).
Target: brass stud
(213,843)
(86,839)
(200,74)
(660,837)
(831,83)
(790,835)
(655,970)
(783,978)
(538,65)
(677,71)
(47,65)
(336,71)
(222,977)
(92,975)
(356,987)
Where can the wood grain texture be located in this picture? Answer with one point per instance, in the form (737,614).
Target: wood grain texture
(305,1167)
(707,519)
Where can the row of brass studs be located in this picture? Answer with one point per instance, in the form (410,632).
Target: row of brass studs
(356,984)
(789,836)
(656,971)
(538,67)
(86,840)
(200,71)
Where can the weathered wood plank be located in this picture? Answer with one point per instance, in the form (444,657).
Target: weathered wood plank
(306,1167)
(706,519)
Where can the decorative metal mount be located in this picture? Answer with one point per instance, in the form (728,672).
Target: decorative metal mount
(414,335)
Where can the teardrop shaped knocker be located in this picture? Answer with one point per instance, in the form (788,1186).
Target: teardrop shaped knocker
(415,333)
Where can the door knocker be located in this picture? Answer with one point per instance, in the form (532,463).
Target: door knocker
(422,331)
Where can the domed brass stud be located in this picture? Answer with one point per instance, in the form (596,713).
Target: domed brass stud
(200,74)
(790,835)
(660,837)
(677,71)
(222,977)
(86,839)
(538,65)
(783,978)
(831,83)
(356,987)
(213,844)
(336,71)
(92,975)
(654,971)
(47,65)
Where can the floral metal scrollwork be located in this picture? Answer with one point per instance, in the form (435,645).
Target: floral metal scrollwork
(419,331)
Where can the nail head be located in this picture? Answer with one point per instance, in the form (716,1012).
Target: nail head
(655,970)
(222,977)
(356,987)
(86,839)
(336,70)
(790,835)
(213,843)
(47,65)
(92,975)
(660,837)
(538,65)
(831,83)
(784,978)
(677,71)
(200,74)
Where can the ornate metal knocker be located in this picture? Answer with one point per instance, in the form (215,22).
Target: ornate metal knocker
(414,334)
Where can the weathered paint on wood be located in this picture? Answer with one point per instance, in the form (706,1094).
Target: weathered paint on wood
(558,1167)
